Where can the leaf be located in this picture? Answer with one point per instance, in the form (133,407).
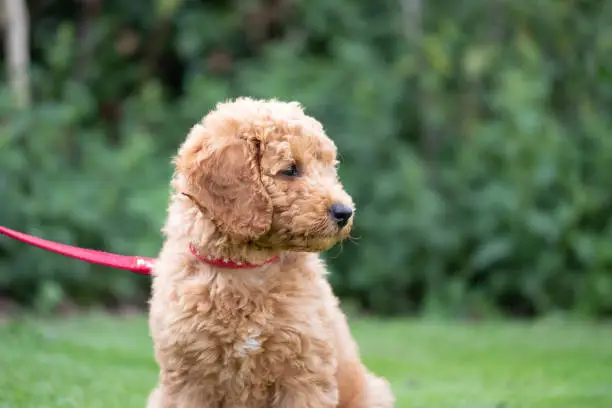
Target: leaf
(491,252)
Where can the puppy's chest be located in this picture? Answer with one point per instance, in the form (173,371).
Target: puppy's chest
(246,342)
(264,330)
(246,331)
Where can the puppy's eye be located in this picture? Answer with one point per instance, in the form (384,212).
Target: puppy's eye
(291,171)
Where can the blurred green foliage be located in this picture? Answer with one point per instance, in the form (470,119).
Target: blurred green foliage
(474,137)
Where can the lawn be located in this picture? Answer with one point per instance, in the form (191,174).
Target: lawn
(107,362)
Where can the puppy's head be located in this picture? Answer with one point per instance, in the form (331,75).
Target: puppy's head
(265,174)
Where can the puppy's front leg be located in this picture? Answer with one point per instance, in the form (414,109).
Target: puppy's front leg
(308,392)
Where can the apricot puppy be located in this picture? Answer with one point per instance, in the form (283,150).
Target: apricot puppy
(241,313)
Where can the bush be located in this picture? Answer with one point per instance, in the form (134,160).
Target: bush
(475,141)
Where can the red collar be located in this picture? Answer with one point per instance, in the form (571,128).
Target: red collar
(228,263)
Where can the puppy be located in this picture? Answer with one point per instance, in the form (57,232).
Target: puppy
(241,312)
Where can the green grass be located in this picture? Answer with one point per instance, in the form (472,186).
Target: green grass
(107,362)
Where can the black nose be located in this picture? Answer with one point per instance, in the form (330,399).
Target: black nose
(340,214)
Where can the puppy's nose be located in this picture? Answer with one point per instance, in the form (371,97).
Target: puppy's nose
(340,214)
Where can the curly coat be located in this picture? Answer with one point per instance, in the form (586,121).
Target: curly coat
(267,337)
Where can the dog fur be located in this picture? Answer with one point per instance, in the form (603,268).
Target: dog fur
(272,336)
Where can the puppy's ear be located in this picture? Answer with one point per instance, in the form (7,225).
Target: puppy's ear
(225,182)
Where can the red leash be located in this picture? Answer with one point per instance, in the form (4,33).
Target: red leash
(137,264)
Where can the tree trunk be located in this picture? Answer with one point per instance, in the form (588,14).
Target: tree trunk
(17,48)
